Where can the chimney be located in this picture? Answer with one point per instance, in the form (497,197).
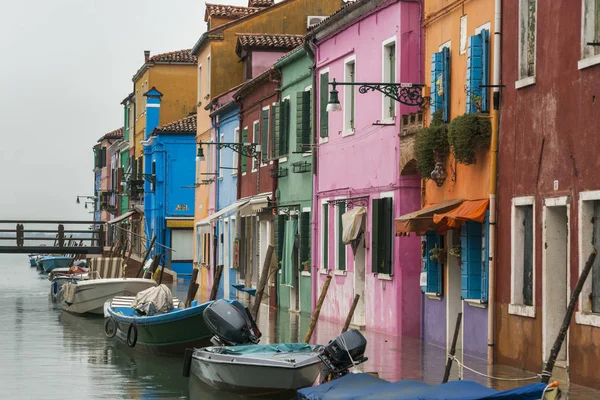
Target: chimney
(146,55)
(153,98)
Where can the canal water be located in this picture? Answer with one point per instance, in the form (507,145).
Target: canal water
(48,354)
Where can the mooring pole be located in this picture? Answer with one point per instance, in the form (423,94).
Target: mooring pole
(315,317)
(263,281)
(351,313)
(452,348)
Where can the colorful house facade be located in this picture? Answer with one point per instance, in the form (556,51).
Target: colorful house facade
(169,151)
(293,171)
(454,220)
(105,168)
(548,197)
(356,171)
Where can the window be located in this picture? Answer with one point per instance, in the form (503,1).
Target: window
(478,72)
(389,75)
(463,35)
(208,76)
(221,152)
(264,135)
(474,260)
(303,128)
(305,239)
(225,236)
(527,38)
(523,257)
(137,104)
(144,90)
(589,224)
(272,128)
(340,247)
(440,82)
(236,139)
(432,278)
(256,139)
(382,235)
(323,100)
(590,33)
(325,235)
(244,140)
(282,127)
(153,182)
(200,84)
(349,96)
(182,243)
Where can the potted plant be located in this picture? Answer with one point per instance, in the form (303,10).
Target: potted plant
(455,251)
(306,265)
(439,254)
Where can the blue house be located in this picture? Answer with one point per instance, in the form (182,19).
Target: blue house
(169,159)
(223,162)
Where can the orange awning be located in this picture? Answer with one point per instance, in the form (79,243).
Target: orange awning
(421,221)
(468,210)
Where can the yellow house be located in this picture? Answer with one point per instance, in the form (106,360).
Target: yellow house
(219,68)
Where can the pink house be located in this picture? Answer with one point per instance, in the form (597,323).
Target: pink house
(357,165)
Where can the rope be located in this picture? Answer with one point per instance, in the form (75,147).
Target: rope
(343,340)
(462,366)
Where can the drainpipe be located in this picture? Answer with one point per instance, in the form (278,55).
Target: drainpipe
(493,181)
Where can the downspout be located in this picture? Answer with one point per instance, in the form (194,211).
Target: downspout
(493,181)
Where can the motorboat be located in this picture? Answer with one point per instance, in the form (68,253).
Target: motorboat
(237,363)
(59,276)
(89,296)
(50,263)
(168,332)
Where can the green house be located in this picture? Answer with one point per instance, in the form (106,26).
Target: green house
(293,170)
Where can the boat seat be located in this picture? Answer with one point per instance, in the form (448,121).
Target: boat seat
(241,288)
(127,301)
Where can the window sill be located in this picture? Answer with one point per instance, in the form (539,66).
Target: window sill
(387,121)
(243,174)
(588,62)
(587,318)
(305,273)
(234,174)
(384,277)
(252,171)
(339,272)
(521,310)
(307,154)
(521,83)
(348,132)
(323,140)
(475,303)
(433,296)
(283,159)
(323,271)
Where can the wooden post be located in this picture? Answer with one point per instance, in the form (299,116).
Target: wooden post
(315,316)
(547,372)
(216,282)
(146,256)
(264,276)
(161,273)
(61,235)
(452,348)
(101,238)
(350,313)
(190,298)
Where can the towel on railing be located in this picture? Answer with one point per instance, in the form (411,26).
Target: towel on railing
(69,288)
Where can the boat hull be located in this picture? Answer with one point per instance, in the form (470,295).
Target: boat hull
(165,334)
(50,263)
(89,296)
(230,374)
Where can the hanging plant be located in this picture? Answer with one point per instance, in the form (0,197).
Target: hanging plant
(431,145)
(439,254)
(467,134)
(455,251)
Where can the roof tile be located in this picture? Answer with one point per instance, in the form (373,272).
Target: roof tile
(260,3)
(116,134)
(185,125)
(179,56)
(227,11)
(269,41)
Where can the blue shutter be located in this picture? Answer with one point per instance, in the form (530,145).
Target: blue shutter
(446,83)
(474,71)
(485,69)
(434,270)
(436,70)
(471,259)
(485,265)
(424,256)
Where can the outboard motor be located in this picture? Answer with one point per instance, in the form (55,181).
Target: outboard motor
(231,323)
(341,354)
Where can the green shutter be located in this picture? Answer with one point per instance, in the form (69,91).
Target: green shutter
(302,121)
(279,234)
(323,114)
(341,209)
(256,139)
(304,237)
(273,138)
(264,143)
(325,243)
(244,140)
(283,125)
(375,236)
(387,216)
(276,137)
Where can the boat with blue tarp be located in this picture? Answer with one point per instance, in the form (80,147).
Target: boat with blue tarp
(49,263)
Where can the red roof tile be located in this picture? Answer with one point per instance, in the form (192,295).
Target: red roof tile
(268,41)
(260,3)
(227,11)
(179,56)
(185,125)
(116,134)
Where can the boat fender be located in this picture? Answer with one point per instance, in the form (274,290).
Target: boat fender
(132,338)
(110,327)
(187,362)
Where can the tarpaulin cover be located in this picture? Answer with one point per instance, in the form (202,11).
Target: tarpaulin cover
(154,300)
(267,348)
(365,386)
(468,210)
(352,224)
(289,244)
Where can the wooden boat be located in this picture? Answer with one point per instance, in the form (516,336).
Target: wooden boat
(169,333)
(49,263)
(59,276)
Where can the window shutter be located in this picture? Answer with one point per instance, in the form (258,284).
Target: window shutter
(279,234)
(341,209)
(278,129)
(302,120)
(285,112)
(436,83)
(434,270)
(471,259)
(388,246)
(375,236)
(446,79)
(103,157)
(119,180)
(244,140)
(307,133)
(304,237)
(325,249)
(273,137)
(474,71)
(264,143)
(424,258)
(485,70)
(486,259)
(324,115)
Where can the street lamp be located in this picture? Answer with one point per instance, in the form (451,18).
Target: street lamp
(245,149)
(410,94)
(85,197)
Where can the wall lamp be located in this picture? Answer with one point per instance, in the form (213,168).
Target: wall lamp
(149,177)
(410,94)
(88,202)
(94,198)
(245,149)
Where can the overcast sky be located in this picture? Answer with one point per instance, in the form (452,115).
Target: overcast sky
(65,67)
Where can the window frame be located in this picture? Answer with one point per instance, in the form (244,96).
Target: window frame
(200,86)
(516,306)
(381,276)
(386,76)
(207,77)
(584,314)
(522,79)
(337,234)
(287,98)
(312,99)
(349,125)
(253,160)
(588,58)
(264,161)
(324,237)
(321,108)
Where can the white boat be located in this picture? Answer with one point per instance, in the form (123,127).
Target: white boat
(59,276)
(89,296)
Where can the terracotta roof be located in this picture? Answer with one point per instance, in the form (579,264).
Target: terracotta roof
(179,56)
(227,11)
(260,3)
(185,125)
(267,41)
(116,134)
